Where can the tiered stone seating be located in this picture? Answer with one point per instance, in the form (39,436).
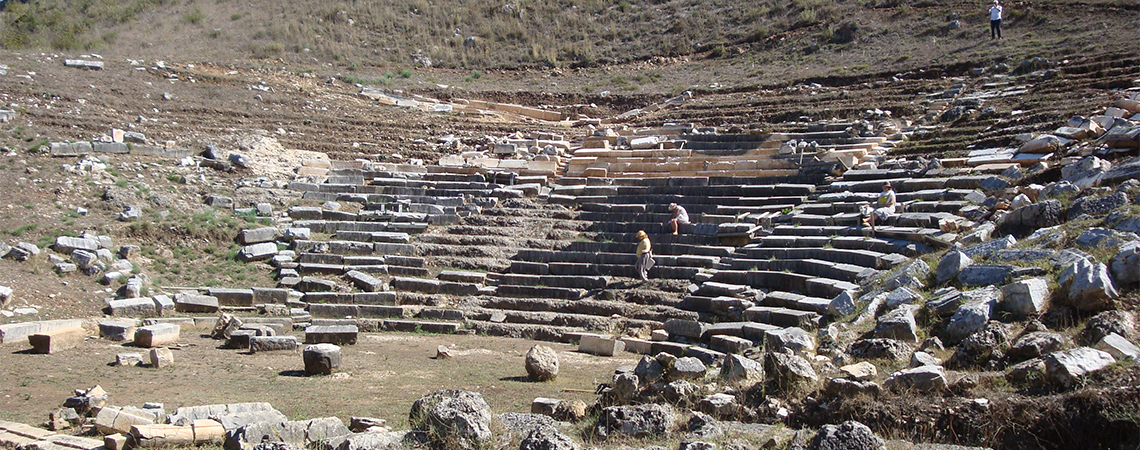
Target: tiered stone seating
(677,151)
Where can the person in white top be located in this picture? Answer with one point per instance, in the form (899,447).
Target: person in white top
(995,21)
(680,216)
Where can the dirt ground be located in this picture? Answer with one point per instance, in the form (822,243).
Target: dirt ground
(380,376)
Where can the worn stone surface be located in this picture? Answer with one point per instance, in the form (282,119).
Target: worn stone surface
(922,379)
(985,274)
(1035,344)
(788,370)
(1026,219)
(453,417)
(639,421)
(740,369)
(156,335)
(321,358)
(1091,288)
(879,349)
(547,438)
(1066,367)
(541,363)
(687,368)
(1125,265)
(979,348)
(848,435)
(1025,298)
(898,324)
(969,318)
(1118,346)
(1120,322)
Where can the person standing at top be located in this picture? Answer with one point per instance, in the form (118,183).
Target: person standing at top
(644,255)
(995,20)
(680,216)
(884,207)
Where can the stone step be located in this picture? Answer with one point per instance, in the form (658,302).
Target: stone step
(786,281)
(800,302)
(561,281)
(592,307)
(865,258)
(333,226)
(430,286)
(552,256)
(659,248)
(620,194)
(826,269)
(782,317)
(614,270)
(527,331)
(508,290)
(340,311)
(373,236)
(654,218)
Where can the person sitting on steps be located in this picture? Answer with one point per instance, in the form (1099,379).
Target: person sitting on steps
(680,216)
(884,207)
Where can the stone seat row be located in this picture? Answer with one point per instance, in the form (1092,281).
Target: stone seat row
(748,191)
(676,181)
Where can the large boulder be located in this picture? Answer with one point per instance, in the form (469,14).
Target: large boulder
(989,343)
(879,349)
(1109,322)
(1125,266)
(454,418)
(1097,206)
(788,370)
(740,369)
(1024,220)
(921,379)
(951,265)
(848,435)
(1035,344)
(969,318)
(1066,367)
(1091,289)
(898,324)
(541,363)
(1025,298)
(547,438)
(639,421)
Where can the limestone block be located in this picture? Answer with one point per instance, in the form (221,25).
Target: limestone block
(1118,346)
(117,331)
(114,420)
(258,252)
(128,359)
(258,235)
(161,357)
(1067,366)
(133,307)
(595,344)
(272,343)
(321,358)
(1026,297)
(156,335)
(56,340)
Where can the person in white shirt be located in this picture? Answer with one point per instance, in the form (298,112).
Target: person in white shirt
(995,21)
(680,216)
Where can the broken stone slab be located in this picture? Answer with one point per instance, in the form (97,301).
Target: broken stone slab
(331,334)
(364,281)
(258,252)
(19,332)
(686,328)
(970,318)
(84,64)
(596,344)
(195,303)
(117,331)
(985,274)
(294,434)
(161,358)
(133,307)
(1118,346)
(259,235)
(128,359)
(951,265)
(67,244)
(898,324)
(113,419)
(156,335)
(1067,366)
(1091,288)
(742,370)
(272,343)
(55,341)
(922,379)
(1125,265)
(1026,297)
